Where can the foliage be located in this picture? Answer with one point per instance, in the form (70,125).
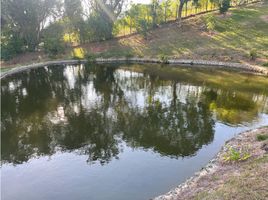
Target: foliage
(253,54)
(143,27)
(90,57)
(75,22)
(224,6)
(11,46)
(27,18)
(265,64)
(101,29)
(233,154)
(78,53)
(210,22)
(53,46)
(163,58)
(262,137)
(53,39)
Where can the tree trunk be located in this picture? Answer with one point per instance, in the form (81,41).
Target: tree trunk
(165,12)
(180,12)
(186,9)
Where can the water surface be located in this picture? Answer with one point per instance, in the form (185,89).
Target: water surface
(118,132)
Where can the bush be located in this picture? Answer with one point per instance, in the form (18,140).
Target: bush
(224,6)
(54,46)
(265,64)
(253,54)
(90,58)
(101,28)
(163,58)
(233,154)
(262,137)
(210,23)
(11,47)
(129,55)
(142,27)
(53,39)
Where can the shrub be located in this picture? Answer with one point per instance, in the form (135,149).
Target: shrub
(129,55)
(53,46)
(53,39)
(253,54)
(233,154)
(210,23)
(224,6)
(163,58)
(11,46)
(262,137)
(90,58)
(143,27)
(265,64)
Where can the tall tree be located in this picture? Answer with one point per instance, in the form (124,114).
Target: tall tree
(107,11)
(74,13)
(181,4)
(28,18)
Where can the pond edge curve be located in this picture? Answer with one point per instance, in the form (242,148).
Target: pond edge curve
(190,63)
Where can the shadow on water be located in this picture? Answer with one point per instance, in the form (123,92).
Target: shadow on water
(91,110)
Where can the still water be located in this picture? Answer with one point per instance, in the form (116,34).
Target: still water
(118,132)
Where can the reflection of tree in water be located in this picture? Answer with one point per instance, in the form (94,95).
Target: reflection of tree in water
(175,130)
(233,107)
(90,110)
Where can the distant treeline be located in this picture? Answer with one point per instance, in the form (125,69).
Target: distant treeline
(30,25)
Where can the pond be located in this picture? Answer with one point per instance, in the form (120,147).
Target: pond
(121,131)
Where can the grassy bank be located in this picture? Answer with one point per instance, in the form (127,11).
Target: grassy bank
(236,37)
(240,171)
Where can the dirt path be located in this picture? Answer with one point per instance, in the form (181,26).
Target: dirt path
(231,179)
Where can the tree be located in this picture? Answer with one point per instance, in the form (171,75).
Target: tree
(142,27)
(154,7)
(182,2)
(106,12)
(27,18)
(74,13)
(53,39)
(224,6)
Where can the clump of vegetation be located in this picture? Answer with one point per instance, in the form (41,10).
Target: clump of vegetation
(11,46)
(163,58)
(224,6)
(265,64)
(253,54)
(210,23)
(234,155)
(53,39)
(129,55)
(53,46)
(91,58)
(143,27)
(262,137)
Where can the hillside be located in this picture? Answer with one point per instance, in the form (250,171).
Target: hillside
(243,31)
